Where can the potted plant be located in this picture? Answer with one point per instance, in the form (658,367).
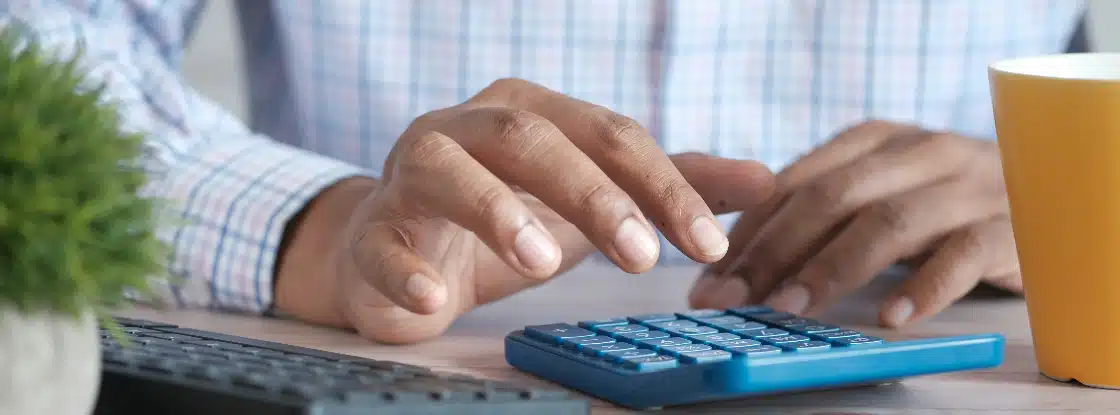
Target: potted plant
(75,234)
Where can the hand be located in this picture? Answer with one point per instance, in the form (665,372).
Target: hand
(498,194)
(876,195)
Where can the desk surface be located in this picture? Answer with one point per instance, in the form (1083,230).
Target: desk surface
(474,346)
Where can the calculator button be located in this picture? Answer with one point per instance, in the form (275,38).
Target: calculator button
(666,342)
(647,364)
(741,327)
(556,333)
(858,341)
(789,338)
(774,317)
(840,334)
(591,324)
(692,331)
(762,333)
(599,349)
(725,319)
(684,348)
(760,350)
(629,328)
(666,325)
(795,322)
(750,309)
(806,346)
(815,328)
(653,318)
(642,335)
(715,338)
(622,355)
(707,356)
(580,341)
(737,344)
(704,313)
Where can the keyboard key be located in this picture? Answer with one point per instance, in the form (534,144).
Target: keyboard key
(741,327)
(707,356)
(751,309)
(652,318)
(716,338)
(581,341)
(762,333)
(666,325)
(840,334)
(657,344)
(737,344)
(692,331)
(591,324)
(648,364)
(757,351)
(623,355)
(556,333)
(815,328)
(858,341)
(703,313)
(629,328)
(642,335)
(806,346)
(684,348)
(789,338)
(599,349)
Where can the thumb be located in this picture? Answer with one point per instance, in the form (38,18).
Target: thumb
(727,185)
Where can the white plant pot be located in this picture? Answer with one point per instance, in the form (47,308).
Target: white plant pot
(49,364)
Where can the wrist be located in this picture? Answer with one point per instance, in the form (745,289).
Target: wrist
(305,278)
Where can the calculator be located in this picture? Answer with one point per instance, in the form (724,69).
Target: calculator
(671,359)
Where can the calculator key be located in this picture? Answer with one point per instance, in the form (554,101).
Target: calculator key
(750,309)
(736,344)
(858,341)
(806,346)
(840,334)
(740,327)
(599,349)
(716,338)
(762,333)
(666,325)
(629,328)
(756,351)
(642,335)
(724,319)
(622,355)
(773,317)
(789,338)
(580,341)
(653,318)
(815,328)
(707,356)
(685,348)
(556,333)
(795,322)
(591,324)
(692,331)
(647,364)
(666,342)
(703,313)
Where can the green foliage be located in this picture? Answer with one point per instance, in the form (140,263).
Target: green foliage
(74,233)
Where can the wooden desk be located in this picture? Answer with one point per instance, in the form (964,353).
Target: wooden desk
(474,346)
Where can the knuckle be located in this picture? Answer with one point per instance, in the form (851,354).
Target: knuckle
(516,129)
(489,202)
(423,152)
(674,195)
(618,132)
(890,216)
(972,242)
(503,90)
(829,194)
(599,196)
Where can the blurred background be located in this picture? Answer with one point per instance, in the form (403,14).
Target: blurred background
(213,61)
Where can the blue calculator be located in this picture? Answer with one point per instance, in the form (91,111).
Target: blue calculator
(660,360)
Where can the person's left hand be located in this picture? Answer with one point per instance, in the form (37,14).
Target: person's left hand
(877,194)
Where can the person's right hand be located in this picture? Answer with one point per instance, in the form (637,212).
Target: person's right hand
(500,193)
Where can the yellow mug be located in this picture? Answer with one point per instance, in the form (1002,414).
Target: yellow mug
(1058,125)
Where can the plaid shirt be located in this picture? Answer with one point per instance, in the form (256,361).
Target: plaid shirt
(334,82)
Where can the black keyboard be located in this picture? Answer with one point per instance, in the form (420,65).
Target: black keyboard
(165,369)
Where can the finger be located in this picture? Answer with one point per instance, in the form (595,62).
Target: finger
(526,150)
(383,256)
(631,157)
(435,176)
(966,257)
(878,237)
(726,185)
(820,206)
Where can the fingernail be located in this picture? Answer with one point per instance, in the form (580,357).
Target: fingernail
(899,311)
(708,236)
(635,243)
(793,298)
(420,287)
(712,291)
(534,248)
